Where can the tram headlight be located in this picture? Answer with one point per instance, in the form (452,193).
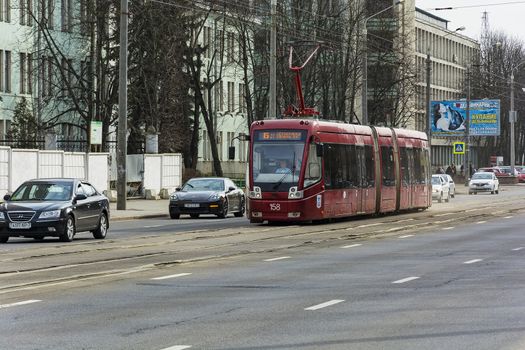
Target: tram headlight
(256,193)
(293,193)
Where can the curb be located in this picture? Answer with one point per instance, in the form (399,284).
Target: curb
(138,217)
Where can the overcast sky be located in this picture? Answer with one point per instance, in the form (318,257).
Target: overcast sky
(509,16)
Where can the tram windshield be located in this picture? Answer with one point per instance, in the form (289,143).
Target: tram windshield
(277,159)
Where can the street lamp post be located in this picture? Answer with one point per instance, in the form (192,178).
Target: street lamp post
(512,118)
(364,86)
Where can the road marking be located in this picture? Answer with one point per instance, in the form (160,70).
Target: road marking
(519,248)
(481,222)
(473,261)
(151,226)
(351,246)
(508,217)
(171,276)
(320,306)
(469,210)
(405,236)
(279,258)
(370,225)
(443,214)
(448,228)
(408,279)
(178,347)
(19,303)
(404,220)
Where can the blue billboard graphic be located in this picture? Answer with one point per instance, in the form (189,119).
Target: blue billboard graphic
(447,118)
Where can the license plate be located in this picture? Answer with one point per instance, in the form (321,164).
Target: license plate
(192,205)
(19,225)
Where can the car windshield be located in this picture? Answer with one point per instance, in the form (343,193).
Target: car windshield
(277,159)
(38,191)
(435,180)
(482,176)
(204,185)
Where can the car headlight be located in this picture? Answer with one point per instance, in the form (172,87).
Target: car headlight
(2,216)
(174,197)
(215,197)
(52,214)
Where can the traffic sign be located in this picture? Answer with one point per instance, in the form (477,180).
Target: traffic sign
(458,148)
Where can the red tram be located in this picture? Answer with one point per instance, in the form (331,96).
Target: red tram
(308,169)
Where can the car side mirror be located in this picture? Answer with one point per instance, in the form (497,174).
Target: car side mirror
(7,197)
(80,197)
(231,188)
(178,189)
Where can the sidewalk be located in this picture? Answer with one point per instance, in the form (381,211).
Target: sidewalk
(140,209)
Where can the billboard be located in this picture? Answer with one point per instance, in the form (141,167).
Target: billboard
(447,118)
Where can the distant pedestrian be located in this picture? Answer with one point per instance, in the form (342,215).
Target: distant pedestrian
(453,170)
(470,169)
(449,170)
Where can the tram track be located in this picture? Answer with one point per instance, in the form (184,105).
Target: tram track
(83,264)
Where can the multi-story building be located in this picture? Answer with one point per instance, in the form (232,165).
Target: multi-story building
(450,54)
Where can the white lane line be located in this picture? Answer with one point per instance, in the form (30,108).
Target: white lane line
(370,225)
(408,279)
(405,236)
(151,226)
(519,248)
(481,222)
(404,220)
(351,246)
(171,276)
(25,302)
(473,261)
(448,228)
(320,306)
(469,210)
(444,214)
(508,217)
(279,258)
(178,347)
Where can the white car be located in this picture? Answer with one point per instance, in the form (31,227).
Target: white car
(440,188)
(483,182)
(451,184)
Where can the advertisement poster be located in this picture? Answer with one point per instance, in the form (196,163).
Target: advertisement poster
(96,133)
(447,118)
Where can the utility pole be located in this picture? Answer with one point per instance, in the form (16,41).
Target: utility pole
(122,142)
(466,163)
(428,124)
(512,119)
(364,89)
(273,60)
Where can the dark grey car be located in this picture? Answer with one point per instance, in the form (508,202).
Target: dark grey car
(54,207)
(207,195)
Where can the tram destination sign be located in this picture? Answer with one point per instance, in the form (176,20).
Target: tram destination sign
(447,118)
(280,135)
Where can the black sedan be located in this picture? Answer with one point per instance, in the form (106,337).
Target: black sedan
(54,207)
(207,195)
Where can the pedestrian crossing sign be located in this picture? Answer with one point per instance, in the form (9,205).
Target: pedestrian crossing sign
(459,148)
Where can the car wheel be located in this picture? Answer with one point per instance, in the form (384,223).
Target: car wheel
(69,230)
(38,238)
(102,229)
(240,213)
(224,212)
(194,216)
(448,197)
(454,194)
(174,216)
(440,199)
(4,239)
(469,192)
(497,191)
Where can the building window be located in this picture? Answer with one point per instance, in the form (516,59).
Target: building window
(206,42)
(242,151)
(219,96)
(67,15)
(5,66)
(206,150)
(50,10)
(242,99)
(26,11)
(231,96)
(230,44)
(5,11)
(219,144)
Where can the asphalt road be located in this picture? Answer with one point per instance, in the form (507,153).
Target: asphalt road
(448,278)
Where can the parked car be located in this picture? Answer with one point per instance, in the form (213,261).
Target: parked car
(440,188)
(495,170)
(483,182)
(506,170)
(521,173)
(54,207)
(206,195)
(451,184)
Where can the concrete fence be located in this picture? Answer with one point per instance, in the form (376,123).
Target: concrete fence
(19,165)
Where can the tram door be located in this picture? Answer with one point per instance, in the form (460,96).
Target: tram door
(407,178)
(365,157)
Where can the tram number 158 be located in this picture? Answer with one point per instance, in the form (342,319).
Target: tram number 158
(275,206)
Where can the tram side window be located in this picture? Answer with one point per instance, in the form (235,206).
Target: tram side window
(387,166)
(405,175)
(313,167)
(369,177)
(419,174)
(340,166)
(425,165)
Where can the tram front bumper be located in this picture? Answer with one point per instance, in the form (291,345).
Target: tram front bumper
(283,210)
